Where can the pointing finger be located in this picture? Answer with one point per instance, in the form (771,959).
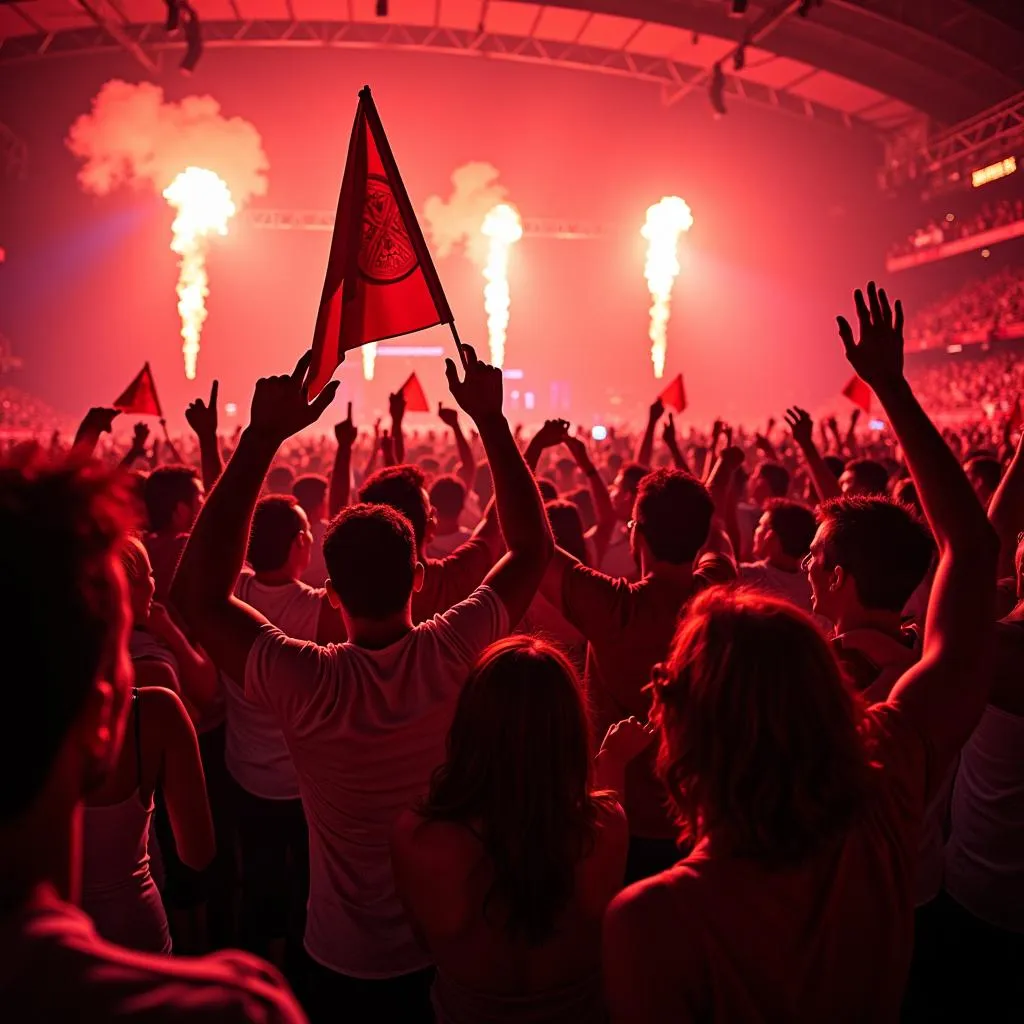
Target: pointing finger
(214,391)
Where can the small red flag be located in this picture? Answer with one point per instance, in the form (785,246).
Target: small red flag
(139,398)
(381,282)
(415,398)
(859,393)
(674,396)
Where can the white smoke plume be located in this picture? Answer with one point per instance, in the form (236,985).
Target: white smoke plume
(133,136)
(458,220)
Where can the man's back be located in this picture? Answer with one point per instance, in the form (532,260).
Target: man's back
(629,627)
(55,968)
(365,728)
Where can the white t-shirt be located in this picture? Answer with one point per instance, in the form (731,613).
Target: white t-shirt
(443,545)
(365,729)
(316,574)
(618,560)
(791,586)
(255,751)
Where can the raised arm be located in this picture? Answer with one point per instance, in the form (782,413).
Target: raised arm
(467,469)
(646,449)
(1006,511)
(396,406)
(800,423)
(672,444)
(850,445)
(944,693)
(205,580)
(97,421)
(140,437)
(202,418)
(524,523)
(345,434)
(601,532)
(553,433)
(197,675)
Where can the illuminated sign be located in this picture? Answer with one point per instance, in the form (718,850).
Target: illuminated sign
(1000,169)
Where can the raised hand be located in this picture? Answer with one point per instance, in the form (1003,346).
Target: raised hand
(657,410)
(345,432)
(878,355)
(626,739)
(801,425)
(396,406)
(279,405)
(833,424)
(577,448)
(732,457)
(202,417)
(668,434)
(140,437)
(449,417)
(99,420)
(479,394)
(554,432)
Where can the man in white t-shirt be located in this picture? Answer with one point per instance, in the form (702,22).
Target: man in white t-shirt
(365,721)
(272,834)
(781,541)
(310,492)
(65,620)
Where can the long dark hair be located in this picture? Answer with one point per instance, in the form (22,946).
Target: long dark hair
(761,737)
(518,772)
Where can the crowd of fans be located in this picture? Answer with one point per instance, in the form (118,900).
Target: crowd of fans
(471,727)
(951,228)
(980,311)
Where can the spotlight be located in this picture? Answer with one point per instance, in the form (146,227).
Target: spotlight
(739,9)
(716,91)
(382,8)
(193,40)
(739,58)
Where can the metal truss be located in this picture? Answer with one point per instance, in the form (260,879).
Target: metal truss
(675,77)
(13,154)
(323,220)
(947,154)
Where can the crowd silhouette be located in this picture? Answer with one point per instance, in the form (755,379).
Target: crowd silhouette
(472,727)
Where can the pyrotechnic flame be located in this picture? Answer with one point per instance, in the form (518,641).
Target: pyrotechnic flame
(369,351)
(503,228)
(204,206)
(666,221)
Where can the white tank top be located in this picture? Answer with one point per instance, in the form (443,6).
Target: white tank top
(985,851)
(255,751)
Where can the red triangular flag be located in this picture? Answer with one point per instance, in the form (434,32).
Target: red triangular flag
(674,396)
(412,392)
(381,282)
(139,398)
(859,393)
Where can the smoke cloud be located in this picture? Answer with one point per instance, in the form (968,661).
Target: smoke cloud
(457,221)
(133,136)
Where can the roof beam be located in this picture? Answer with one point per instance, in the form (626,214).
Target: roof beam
(120,36)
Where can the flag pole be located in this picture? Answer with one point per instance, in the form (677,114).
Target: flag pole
(458,344)
(170,443)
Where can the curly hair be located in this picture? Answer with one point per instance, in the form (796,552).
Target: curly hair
(760,734)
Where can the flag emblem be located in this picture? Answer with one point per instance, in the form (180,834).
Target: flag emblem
(386,254)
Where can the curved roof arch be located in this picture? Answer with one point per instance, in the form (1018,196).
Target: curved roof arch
(879,64)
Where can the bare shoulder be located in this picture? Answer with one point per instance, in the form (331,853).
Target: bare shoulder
(433,841)
(642,909)
(162,707)
(152,672)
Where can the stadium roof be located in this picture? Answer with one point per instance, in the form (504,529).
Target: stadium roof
(880,64)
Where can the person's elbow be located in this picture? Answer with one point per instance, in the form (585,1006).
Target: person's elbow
(977,544)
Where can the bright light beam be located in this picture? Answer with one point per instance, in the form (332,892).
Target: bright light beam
(369,351)
(503,228)
(204,206)
(666,221)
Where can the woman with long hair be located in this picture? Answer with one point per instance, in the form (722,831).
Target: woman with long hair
(506,866)
(160,750)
